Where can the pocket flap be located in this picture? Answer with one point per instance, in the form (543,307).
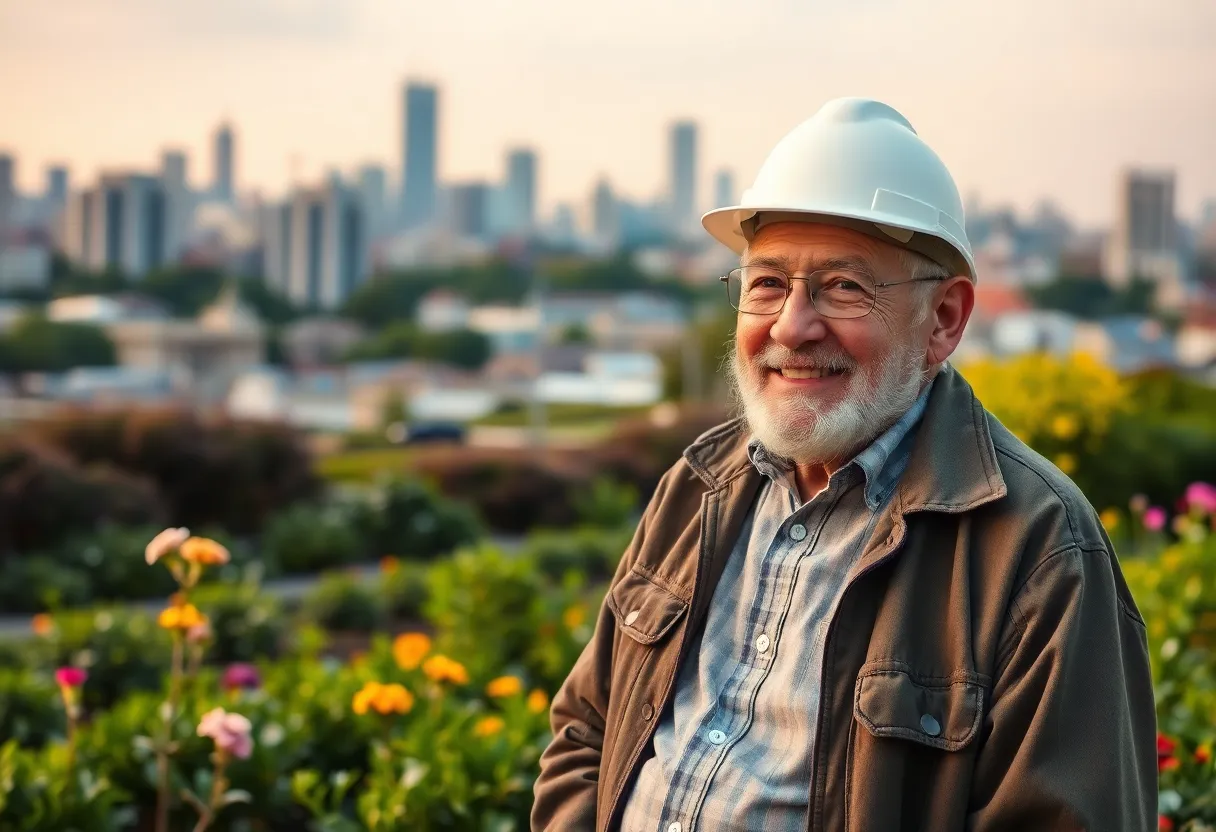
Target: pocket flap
(644,610)
(935,711)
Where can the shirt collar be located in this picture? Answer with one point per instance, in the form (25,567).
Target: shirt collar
(882,462)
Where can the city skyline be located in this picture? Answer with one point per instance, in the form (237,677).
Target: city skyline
(1101,90)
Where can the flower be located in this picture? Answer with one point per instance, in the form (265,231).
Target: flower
(1165,753)
(1066,462)
(164,543)
(42,624)
(1064,427)
(1154,518)
(231,732)
(538,702)
(504,686)
(180,617)
(383,699)
(389,564)
(240,675)
(442,669)
(1201,497)
(488,726)
(1164,824)
(200,632)
(1138,503)
(574,616)
(1203,754)
(204,551)
(71,677)
(1110,519)
(409,649)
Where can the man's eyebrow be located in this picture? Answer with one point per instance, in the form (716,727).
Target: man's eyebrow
(859,264)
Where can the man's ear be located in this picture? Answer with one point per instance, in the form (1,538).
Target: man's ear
(952,305)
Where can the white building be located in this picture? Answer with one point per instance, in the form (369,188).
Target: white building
(128,222)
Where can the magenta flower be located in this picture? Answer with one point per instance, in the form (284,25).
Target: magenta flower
(1154,518)
(71,677)
(241,676)
(231,732)
(1201,496)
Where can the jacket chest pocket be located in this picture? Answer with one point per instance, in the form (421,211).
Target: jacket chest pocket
(942,712)
(645,611)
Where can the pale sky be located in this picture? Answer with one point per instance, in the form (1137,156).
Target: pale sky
(1023,100)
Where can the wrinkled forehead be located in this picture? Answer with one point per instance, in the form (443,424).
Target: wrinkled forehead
(805,246)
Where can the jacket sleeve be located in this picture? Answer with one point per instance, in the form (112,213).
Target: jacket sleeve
(1070,734)
(566,790)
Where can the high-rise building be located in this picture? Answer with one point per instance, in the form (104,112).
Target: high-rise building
(373,192)
(315,245)
(8,190)
(120,224)
(469,209)
(520,191)
(224,185)
(1144,242)
(57,186)
(419,155)
(724,189)
(605,214)
(682,191)
(179,201)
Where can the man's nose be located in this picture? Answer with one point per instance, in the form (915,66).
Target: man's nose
(799,321)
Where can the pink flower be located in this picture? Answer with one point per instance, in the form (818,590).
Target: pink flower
(229,731)
(1201,496)
(240,675)
(164,543)
(199,632)
(71,677)
(1154,518)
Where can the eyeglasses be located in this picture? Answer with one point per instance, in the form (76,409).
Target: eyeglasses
(835,293)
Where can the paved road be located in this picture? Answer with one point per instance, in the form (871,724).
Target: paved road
(285,589)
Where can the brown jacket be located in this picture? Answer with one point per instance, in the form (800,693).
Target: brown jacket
(988,597)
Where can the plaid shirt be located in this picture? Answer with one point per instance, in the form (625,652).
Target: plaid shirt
(734,750)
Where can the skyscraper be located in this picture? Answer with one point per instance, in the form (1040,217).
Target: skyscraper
(8,190)
(120,224)
(469,207)
(179,202)
(521,191)
(373,187)
(724,189)
(1145,238)
(419,154)
(57,186)
(682,193)
(224,187)
(315,249)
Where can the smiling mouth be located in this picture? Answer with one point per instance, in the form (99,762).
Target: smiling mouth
(809,372)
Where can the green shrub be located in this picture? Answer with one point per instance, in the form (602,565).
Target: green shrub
(38,583)
(38,794)
(246,624)
(415,523)
(588,551)
(113,561)
(306,538)
(403,591)
(343,602)
(30,712)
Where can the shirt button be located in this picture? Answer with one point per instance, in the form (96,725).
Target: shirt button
(647,711)
(930,725)
(717,737)
(798,531)
(762,643)
(632,617)
(675,827)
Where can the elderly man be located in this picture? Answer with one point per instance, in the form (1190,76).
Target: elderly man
(864,604)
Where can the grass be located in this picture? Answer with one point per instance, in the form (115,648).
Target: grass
(564,415)
(361,466)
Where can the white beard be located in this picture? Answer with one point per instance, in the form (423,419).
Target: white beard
(802,429)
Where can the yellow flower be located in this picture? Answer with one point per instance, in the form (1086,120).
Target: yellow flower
(538,702)
(1065,427)
(504,686)
(488,726)
(409,649)
(1066,462)
(204,551)
(1110,519)
(442,669)
(181,617)
(389,564)
(383,699)
(42,624)
(574,616)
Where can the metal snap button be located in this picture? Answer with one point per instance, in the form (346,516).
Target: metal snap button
(647,711)
(930,725)
(632,617)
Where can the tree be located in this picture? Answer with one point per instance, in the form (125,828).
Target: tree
(463,348)
(35,344)
(576,333)
(1093,298)
(185,290)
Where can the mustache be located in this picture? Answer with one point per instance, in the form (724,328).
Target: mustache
(775,356)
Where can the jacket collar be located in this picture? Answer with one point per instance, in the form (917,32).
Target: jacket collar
(953,467)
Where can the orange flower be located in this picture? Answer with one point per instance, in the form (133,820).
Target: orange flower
(574,616)
(504,686)
(181,617)
(383,699)
(389,564)
(488,726)
(442,669)
(538,702)
(42,624)
(1203,754)
(409,649)
(204,551)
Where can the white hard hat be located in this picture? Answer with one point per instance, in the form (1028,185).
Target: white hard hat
(856,163)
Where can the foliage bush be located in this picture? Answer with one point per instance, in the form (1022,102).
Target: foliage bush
(403,590)
(29,712)
(308,538)
(410,520)
(344,602)
(588,551)
(246,624)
